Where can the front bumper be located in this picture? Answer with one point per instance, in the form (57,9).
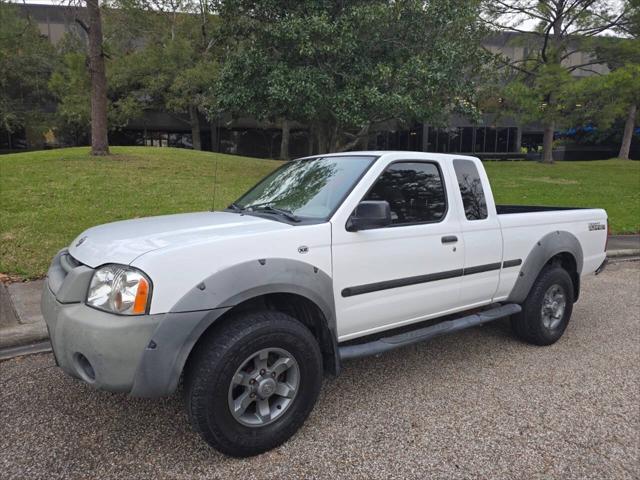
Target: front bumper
(143,355)
(100,348)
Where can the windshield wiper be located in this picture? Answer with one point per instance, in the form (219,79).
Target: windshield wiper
(265,207)
(236,207)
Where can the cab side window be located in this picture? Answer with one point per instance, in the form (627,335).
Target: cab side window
(414,190)
(473,199)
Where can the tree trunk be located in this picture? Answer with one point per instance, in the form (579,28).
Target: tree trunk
(547,144)
(195,128)
(321,139)
(310,139)
(364,142)
(628,133)
(214,135)
(99,125)
(334,139)
(284,143)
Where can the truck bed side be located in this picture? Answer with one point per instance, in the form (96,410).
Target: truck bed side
(524,227)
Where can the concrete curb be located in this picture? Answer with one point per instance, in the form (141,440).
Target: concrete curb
(18,335)
(627,252)
(22,350)
(21,322)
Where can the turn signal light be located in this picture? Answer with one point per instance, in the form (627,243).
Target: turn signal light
(142,296)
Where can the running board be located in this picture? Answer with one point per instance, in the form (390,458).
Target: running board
(382,345)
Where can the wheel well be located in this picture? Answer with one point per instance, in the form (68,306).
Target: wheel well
(296,306)
(568,262)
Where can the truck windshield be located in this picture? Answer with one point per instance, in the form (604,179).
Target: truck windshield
(311,188)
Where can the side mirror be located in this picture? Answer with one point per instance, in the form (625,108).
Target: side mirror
(370,214)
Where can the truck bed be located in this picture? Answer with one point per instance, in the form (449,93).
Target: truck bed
(509,209)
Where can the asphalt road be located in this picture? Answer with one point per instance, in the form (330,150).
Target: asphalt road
(478,404)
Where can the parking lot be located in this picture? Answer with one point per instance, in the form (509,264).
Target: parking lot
(478,404)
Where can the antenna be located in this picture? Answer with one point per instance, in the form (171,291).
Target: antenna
(215,179)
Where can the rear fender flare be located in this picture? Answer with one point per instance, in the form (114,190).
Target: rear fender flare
(545,249)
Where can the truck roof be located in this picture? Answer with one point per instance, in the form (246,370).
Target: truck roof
(406,153)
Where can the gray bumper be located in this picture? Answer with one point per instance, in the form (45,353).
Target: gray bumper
(142,355)
(113,345)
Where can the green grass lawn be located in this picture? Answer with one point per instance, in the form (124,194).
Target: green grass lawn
(610,184)
(49,197)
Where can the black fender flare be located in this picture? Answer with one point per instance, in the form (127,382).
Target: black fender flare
(544,250)
(164,358)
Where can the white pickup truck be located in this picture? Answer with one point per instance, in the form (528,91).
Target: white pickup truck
(328,258)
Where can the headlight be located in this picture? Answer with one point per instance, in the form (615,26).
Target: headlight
(119,289)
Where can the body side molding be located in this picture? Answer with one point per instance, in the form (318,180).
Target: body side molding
(430,277)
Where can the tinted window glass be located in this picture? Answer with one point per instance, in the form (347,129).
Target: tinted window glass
(414,191)
(475,205)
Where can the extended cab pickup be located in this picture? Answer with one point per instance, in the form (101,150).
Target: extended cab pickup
(328,258)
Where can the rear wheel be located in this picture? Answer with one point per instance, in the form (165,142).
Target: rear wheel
(547,309)
(253,382)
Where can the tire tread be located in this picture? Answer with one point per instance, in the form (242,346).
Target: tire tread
(210,357)
(527,325)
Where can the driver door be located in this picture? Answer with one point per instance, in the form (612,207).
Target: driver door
(407,271)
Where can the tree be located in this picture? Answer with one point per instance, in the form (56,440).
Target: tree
(99,124)
(169,60)
(26,61)
(604,99)
(343,67)
(562,28)
(71,86)
(614,97)
(630,26)
(530,100)
(98,76)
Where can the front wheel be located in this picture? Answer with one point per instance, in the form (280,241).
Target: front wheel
(253,382)
(547,309)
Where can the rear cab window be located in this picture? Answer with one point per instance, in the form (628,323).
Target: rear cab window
(473,198)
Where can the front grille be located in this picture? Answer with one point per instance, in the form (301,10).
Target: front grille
(68,263)
(62,264)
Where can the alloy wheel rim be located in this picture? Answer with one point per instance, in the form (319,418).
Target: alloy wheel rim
(554,304)
(263,387)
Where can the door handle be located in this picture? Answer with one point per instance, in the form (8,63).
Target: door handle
(449,239)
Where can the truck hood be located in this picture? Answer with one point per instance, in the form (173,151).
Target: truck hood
(122,242)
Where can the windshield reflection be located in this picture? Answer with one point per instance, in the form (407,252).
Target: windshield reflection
(310,188)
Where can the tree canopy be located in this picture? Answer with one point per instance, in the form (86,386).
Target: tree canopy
(342,67)
(552,31)
(26,62)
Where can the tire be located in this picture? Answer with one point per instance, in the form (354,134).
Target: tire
(236,352)
(540,326)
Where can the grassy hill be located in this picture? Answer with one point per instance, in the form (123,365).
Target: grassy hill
(48,197)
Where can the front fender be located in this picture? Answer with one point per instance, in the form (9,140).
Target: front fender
(247,280)
(164,358)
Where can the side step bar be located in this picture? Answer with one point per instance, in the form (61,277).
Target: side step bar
(382,345)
